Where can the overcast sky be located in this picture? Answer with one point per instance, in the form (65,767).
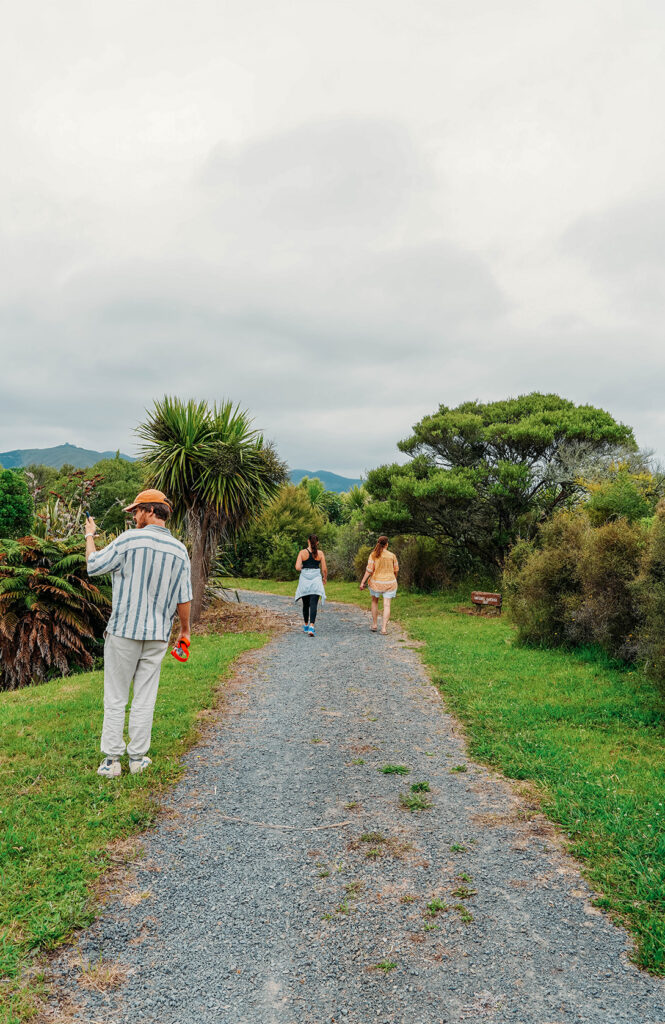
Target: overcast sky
(338,214)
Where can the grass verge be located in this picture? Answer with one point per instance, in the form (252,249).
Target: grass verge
(57,816)
(588,734)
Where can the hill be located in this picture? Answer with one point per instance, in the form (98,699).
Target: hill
(332,481)
(55,457)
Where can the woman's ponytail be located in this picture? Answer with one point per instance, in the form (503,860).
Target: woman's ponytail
(314,543)
(381,543)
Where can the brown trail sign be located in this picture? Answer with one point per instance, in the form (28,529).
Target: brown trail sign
(484,600)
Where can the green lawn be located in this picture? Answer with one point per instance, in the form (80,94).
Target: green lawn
(57,816)
(590,736)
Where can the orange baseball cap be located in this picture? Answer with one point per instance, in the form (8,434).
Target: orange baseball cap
(148,498)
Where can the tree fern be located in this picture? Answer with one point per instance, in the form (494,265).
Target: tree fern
(51,613)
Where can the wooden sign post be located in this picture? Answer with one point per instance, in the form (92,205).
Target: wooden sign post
(483,600)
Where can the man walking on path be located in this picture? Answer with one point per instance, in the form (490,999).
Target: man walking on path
(151,575)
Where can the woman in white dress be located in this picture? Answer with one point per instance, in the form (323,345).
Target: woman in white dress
(311,564)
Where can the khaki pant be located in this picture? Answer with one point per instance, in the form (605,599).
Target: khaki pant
(125,660)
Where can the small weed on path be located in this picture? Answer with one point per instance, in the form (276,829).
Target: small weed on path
(384,965)
(458,848)
(464,892)
(414,802)
(420,787)
(465,914)
(436,906)
(395,769)
(458,768)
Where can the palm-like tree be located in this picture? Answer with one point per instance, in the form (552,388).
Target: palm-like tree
(50,612)
(216,470)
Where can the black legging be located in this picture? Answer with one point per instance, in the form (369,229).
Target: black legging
(309,605)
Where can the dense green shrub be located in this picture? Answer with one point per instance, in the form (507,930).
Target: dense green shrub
(422,563)
(341,554)
(575,585)
(618,497)
(650,592)
(543,584)
(52,616)
(608,614)
(360,561)
(16,507)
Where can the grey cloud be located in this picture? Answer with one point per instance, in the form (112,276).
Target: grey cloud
(624,246)
(338,174)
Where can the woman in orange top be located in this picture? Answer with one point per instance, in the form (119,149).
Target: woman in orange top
(381,571)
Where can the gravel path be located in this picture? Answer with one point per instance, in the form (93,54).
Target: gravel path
(285,869)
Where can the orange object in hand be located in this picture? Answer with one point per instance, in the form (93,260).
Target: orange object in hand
(181,651)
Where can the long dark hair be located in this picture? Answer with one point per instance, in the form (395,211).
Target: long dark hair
(314,541)
(381,543)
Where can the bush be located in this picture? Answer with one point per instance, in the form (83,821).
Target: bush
(618,497)
(16,507)
(341,555)
(575,585)
(51,614)
(422,563)
(608,614)
(542,582)
(650,593)
(360,561)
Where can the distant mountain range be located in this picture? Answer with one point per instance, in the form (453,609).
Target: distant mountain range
(332,481)
(55,457)
(82,458)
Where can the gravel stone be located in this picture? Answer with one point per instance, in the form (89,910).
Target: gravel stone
(251,924)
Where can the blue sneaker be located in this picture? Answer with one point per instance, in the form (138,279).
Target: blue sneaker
(305,628)
(311,630)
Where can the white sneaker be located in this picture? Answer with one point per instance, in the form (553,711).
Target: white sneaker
(110,767)
(139,764)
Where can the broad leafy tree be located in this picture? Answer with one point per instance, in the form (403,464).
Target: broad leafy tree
(216,469)
(480,475)
(16,506)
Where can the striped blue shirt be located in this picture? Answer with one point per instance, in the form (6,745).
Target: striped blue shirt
(151,576)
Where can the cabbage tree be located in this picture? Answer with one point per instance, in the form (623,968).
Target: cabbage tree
(216,469)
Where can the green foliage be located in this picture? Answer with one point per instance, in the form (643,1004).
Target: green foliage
(482,474)
(349,539)
(60,496)
(16,507)
(216,470)
(270,547)
(577,586)
(334,508)
(356,499)
(119,481)
(51,614)
(650,592)
(620,496)
(361,559)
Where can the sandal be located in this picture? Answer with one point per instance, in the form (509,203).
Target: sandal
(373,629)
(384,632)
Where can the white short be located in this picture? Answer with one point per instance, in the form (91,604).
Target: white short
(380,593)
